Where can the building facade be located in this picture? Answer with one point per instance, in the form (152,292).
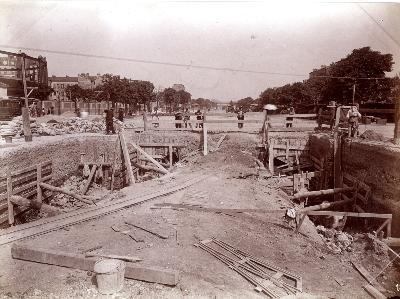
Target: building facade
(60,84)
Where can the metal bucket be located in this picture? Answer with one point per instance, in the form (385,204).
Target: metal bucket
(109,275)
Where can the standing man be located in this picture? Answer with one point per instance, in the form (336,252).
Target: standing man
(353,116)
(109,121)
(121,115)
(178,116)
(199,116)
(186,118)
(240,116)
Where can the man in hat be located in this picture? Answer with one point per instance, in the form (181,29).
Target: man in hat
(353,117)
(240,116)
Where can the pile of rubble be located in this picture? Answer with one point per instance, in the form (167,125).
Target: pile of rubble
(71,125)
(15,126)
(337,241)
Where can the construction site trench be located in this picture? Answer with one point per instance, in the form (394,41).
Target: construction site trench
(225,194)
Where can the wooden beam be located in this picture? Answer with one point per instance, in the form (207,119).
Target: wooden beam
(9,195)
(325,205)
(114,165)
(64,191)
(49,224)
(392,242)
(367,276)
(161,145)
(139,149)
(129,170)
(205,137)
(348,214)
(146,167)
(79,261)
(321,192)
(89,181)
(374,292)
(39,195)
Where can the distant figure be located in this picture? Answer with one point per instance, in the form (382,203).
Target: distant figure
(109,121)
(78,112)
(353,116)
(199,116)
(33,110)
(121,114)
(43,111)
(240,116)
(178,116)
(291,110)
(186,118)
(48,111)
(52,110)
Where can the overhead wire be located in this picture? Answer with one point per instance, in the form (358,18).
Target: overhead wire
(195,66)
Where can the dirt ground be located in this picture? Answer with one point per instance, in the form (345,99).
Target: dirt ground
(233,183)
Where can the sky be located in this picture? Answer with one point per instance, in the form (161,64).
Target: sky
(282,42)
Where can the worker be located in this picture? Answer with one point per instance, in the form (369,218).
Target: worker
(186,118)
(121,114)
(240,116)
(43,112)
(353,117)
(178,116)
(199,116)
(109,121)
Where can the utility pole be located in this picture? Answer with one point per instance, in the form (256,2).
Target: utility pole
(354,92)
(25,110)
(396,138)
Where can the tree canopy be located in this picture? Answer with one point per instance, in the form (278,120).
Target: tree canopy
(324,85)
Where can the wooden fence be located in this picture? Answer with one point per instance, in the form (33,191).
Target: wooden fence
(24,183)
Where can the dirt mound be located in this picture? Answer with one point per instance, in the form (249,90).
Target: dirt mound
(372,136)
(236,155)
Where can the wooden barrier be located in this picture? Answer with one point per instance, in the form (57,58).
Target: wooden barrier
(22,183)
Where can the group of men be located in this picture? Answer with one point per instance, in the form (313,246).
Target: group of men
(185,116)
(35,111)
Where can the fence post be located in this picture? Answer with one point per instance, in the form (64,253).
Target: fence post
(9,195)
(205,145)
(396,139)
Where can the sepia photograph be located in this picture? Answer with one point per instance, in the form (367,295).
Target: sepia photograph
(199,149)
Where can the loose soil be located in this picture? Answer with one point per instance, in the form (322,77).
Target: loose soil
(233,183)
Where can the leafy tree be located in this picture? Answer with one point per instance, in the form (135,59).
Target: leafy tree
(75,93)
(361,63)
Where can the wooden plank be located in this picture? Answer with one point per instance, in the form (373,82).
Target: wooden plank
(39,196)
(367,276)
(349,214)
(166,144)
(382,226)
(271,156)
(22,180)
(320,192)
(139,149)
(114,164)
(20,190)
(374,292)
(49,224)
(9,195)
(205,140)
(170,155)
(129,173)
(79,261)
(392,242)
(89,181)
(65,191)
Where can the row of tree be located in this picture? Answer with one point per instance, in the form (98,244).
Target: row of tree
(340,81)
(136,94)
